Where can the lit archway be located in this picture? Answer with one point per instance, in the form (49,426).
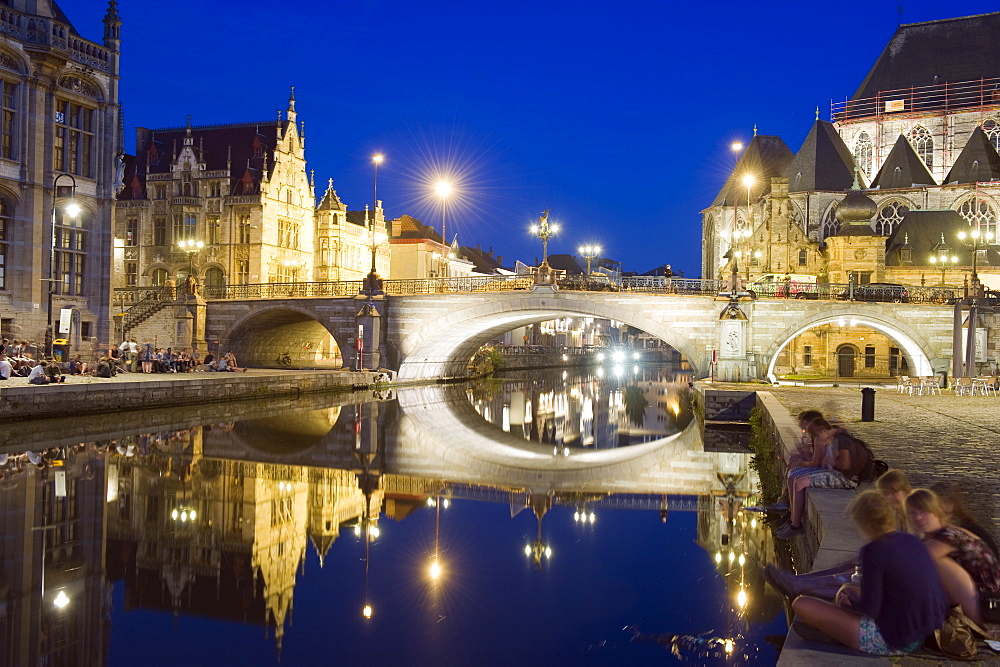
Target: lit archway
(917,359)
(283,338)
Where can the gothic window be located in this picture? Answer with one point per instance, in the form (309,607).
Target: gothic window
(159,231)
(213,227)
(215,190)
(131,274)
(178,231)
(7,123)
(132,232)
(922,142)
(863,153)
(980,214)
(214,277)
(830,225)
(244,228)
(5,215)
(992,129)
(890,214)
(73,146)
(70,253)
(159,277)
(242,272)
(803,257)
(190,226)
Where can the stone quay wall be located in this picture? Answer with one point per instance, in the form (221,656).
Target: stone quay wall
(25,402)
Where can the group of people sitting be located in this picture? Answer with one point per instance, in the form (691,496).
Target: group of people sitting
(160,360)
(924,554)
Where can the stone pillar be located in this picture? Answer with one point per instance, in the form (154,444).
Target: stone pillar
(732,365)
(370,321)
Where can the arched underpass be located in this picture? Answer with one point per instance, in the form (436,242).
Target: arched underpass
(263,340)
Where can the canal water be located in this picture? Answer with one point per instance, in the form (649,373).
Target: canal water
(558,516)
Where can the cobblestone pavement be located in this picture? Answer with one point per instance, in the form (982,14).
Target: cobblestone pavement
(17,381)
(933,438)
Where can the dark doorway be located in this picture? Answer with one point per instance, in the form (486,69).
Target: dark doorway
(846,355)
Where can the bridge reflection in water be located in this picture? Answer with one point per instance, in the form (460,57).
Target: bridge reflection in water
(217,514)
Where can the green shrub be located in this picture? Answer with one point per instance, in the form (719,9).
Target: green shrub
(764,459)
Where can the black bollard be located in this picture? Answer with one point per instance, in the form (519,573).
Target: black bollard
(944,379)
(867,404)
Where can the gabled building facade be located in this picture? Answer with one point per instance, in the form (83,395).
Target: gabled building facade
(59,138)
(239,192)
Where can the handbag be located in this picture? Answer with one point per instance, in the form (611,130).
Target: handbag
(958,637)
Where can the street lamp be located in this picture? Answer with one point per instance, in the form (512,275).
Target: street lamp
(191,247)
(545,231)
(977,239)
(377,159)
(942,258)
(72,209)
(443,189)
(590,252)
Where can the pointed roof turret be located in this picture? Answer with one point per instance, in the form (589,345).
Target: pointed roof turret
(902,169)
(112,26)
(977,163)
(330,200)
(823,162)
(765,157)
(291,106)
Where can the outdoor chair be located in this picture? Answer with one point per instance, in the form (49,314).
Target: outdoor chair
(984,385)
(963,386)
(930,385)
(904,385)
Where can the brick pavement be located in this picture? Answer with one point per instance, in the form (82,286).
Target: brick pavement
(931,438)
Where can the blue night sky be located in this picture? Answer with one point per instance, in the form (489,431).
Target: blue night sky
(616,116)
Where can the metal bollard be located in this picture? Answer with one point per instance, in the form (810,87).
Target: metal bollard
(944,379)
(867,404)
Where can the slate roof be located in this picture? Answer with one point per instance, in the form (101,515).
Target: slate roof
(411,228)
(978,162)
(912,171)
(564,262)
(483,261)
(923,230)
(765,157)
(823,162)
(330,200)
(246,147)
(359,218)
(936,52)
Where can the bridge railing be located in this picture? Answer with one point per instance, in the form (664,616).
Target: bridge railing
(942,295)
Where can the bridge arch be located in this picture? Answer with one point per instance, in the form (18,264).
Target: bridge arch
(910,341)
(441,346)
(261,337)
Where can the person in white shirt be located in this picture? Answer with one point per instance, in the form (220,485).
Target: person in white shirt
(37,374)
(5,367)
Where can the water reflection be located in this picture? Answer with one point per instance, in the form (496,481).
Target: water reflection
(587,407)
(363,516)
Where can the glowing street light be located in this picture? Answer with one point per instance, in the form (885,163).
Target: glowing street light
(373,279)
(978,239)
(590,252)
(366,611)
(191,247)
(545,230)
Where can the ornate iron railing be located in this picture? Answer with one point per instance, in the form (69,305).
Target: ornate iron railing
(130,297)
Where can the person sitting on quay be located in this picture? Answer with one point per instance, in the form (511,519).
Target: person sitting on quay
(900,601)
(966,566)
(834,449)
(54,372)
(6,370)
(77,366)
(953,504)
(105,369)
(38,374)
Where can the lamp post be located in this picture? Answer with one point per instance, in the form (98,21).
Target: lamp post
(72,209)
(190,246)
(977,240)
(589,252)
(941,257)
(373,280)
(443,189)
(545,231)
(749,181)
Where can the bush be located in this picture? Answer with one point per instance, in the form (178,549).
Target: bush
(764,460)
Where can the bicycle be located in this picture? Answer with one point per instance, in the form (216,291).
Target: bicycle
(284,359)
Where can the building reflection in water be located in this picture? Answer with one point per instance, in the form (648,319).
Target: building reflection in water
(577,409)
(216,519)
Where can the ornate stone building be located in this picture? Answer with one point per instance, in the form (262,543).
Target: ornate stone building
(58,127)
(240,192)
(920,138)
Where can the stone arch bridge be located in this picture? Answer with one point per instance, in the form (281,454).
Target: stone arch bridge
(433,336)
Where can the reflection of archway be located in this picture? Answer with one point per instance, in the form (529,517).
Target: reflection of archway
(846,360)
(914,355)
(264,338)
(426,353)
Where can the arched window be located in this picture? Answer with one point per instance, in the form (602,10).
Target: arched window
(980,214)
(923,144)
(830,225)
(890,214)
(6,213)
(803,257)
(70,250)
(159,277)
(863,153)
(992,129)
(73,149)
(214,277)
